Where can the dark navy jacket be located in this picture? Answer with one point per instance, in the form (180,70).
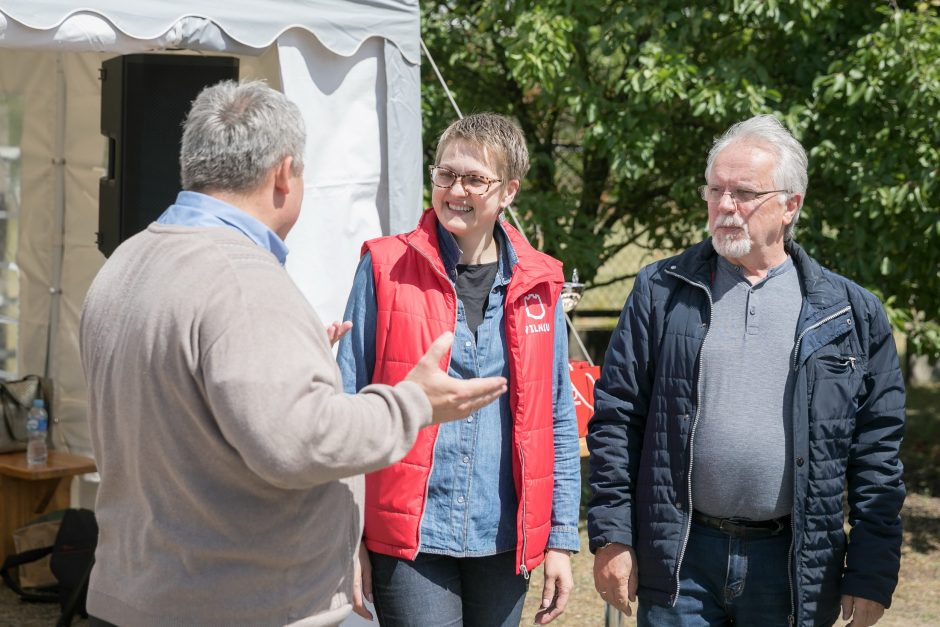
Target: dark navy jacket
(848,420)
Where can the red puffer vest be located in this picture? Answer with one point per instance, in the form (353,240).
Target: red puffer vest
(416,302)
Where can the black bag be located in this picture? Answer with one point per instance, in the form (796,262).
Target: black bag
(16,397)
(73,555)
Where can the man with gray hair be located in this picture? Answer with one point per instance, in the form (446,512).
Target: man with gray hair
(744,388)
(230,458)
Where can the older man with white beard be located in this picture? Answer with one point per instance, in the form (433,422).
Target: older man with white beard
(744,388)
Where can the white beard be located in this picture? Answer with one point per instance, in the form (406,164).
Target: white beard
(730,246)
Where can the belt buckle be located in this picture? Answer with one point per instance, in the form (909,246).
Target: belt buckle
(732,528)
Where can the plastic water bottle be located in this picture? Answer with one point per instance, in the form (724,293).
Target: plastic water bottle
(37,423)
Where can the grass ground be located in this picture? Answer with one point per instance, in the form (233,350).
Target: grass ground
(917,598)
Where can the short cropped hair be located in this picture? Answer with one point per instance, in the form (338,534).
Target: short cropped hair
(790,170)
(498,134)
(235,133)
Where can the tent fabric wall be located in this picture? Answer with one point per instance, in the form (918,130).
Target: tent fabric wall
(52,291)
(343,181)
(355,106)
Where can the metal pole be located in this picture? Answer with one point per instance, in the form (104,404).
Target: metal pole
(58,216)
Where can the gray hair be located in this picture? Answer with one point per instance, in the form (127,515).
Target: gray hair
(495,132)
(790,170)
(236,133)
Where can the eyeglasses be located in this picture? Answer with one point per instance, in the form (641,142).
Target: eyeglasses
(471,183)
(714,194)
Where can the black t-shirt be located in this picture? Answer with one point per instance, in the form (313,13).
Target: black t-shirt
(473,289)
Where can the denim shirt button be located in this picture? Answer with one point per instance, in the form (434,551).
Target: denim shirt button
(468,344)
(469,418)
(466,459)
(460,499)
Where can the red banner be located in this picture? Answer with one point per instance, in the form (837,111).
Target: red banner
(583,375)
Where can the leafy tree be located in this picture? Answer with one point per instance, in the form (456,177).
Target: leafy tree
(875,129)
(620,102)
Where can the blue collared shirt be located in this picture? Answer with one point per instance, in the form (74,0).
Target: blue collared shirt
(195,209)
(471,502)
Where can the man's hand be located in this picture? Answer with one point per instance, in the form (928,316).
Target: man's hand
(558,586)
(615,575)
(862,611)
(362,583)
(337,330)
(452,398)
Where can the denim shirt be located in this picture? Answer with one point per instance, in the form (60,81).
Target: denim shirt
(195,209)
(471,502)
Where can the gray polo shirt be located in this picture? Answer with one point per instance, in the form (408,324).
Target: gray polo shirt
(743,463)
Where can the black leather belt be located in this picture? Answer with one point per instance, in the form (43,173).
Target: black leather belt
(743,528)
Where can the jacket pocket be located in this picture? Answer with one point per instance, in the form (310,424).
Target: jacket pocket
(836,384)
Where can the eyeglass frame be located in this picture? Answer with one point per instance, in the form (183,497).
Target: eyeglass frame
(460,177)
(704,189)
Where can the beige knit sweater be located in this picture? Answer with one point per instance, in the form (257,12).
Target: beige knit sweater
(230,459)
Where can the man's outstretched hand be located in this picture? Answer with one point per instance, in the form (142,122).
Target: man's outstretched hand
(452,398)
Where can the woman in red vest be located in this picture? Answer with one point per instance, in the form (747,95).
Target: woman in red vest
(453,530)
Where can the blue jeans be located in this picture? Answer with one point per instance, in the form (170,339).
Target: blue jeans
(727,581)
(441,590)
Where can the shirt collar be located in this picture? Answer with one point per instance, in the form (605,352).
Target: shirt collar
(731,269)
(196,209)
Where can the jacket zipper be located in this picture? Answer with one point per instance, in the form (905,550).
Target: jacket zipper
(522,569)
(796,349)
(698,409)
(791,619)
(424,501)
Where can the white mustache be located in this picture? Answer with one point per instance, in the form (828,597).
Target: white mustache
(730,220)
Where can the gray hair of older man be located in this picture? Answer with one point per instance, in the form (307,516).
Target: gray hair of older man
(790,170)
(236,133)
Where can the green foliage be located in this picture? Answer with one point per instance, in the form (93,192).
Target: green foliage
(876,132)
(620,102)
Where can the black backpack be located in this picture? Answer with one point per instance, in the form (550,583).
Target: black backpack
(72,556)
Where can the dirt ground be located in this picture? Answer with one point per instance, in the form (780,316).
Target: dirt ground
(916,600)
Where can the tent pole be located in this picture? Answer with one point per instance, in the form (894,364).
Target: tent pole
(58,222)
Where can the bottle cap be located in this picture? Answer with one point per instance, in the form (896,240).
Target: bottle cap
(38,402)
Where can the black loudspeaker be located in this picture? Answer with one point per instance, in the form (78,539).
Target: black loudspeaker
(144,101)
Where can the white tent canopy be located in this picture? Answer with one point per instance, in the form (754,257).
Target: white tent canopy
(340,25)
(352,67)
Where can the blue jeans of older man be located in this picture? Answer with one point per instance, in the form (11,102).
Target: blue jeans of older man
(726,580)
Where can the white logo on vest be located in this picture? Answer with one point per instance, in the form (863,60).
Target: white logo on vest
(535,309)
(538,301)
